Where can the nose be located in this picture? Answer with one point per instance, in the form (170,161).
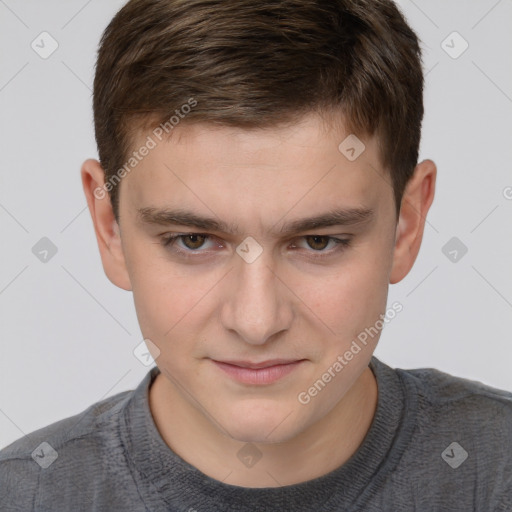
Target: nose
(257,306)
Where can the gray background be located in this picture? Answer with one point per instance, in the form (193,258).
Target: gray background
(68,335)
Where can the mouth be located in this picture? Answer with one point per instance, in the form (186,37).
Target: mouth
(258,373)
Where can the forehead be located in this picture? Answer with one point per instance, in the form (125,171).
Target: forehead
(204,166)
(307,136)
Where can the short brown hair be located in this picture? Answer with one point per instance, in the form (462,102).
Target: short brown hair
(260,63)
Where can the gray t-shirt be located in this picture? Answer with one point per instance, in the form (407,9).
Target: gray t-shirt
(437,443)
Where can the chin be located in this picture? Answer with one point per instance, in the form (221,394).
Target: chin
(261,425)
(251,434)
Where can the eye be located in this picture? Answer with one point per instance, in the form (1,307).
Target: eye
(191,241)
(320,242)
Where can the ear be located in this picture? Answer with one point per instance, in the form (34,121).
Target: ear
(105,225)
(416,201)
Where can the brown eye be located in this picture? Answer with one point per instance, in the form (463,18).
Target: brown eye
(317,242)
(193,241)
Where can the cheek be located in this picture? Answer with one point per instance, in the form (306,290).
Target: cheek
(350,299)
(171,302)
(161,296)
(163,305)
(165,314)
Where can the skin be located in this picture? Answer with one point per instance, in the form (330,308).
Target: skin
(285,304)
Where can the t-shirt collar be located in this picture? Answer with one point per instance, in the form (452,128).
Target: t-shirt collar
(164,480)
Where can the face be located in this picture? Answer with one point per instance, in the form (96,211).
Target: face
(248,302)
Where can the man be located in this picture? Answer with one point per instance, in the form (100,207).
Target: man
(258,190)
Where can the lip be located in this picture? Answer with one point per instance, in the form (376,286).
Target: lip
(258,373)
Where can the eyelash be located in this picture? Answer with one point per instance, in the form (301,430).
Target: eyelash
(168,242)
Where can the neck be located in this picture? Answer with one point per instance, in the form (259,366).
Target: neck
(316,451)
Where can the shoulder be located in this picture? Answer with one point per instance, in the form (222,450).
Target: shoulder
(467,406)
(87,423)
(463,425)
(76,440)
(443,390)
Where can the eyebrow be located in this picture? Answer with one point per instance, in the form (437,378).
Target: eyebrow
(337,217)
